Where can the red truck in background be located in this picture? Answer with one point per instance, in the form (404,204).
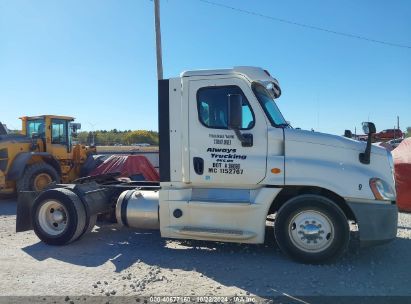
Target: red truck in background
(388,134)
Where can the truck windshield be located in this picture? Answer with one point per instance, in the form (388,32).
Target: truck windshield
(269,105)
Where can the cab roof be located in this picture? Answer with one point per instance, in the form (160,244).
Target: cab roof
(248,71)
(251,73)
(47,116)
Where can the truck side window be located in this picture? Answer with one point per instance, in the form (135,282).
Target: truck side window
(59,131)
(212,103)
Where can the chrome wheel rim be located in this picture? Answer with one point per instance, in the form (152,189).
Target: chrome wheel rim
(52,217)
(311,231)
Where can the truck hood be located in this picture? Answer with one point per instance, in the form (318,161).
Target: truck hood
(330,140)
(332,162)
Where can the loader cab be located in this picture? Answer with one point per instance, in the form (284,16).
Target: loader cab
(50,133)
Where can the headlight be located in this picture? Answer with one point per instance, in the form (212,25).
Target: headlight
(382,190)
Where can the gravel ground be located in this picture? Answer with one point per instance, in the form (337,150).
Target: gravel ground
(112,262)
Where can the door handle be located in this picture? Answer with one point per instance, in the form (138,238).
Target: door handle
(198,163)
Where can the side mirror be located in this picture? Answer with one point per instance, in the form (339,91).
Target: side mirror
(348,133)
(235,119)
(235,111)
(75,126)
(368,128)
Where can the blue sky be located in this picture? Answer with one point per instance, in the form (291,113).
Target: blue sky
(95,59)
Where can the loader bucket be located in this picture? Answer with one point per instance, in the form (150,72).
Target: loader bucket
(25,202)
(3,130)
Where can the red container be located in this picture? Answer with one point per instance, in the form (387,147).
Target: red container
(136,167)
(402,166)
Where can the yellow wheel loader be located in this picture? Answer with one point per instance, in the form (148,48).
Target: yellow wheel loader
(43,153)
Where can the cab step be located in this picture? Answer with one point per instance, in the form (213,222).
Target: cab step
(215,233)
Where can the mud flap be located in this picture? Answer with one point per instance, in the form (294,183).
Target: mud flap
(25,202)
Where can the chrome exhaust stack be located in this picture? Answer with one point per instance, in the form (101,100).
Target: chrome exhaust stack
(138,209)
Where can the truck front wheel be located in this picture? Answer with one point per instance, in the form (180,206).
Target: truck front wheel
(311,229)
(58,217)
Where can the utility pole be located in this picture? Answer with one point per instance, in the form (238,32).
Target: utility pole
(158,39)
(395,131)
(398,127)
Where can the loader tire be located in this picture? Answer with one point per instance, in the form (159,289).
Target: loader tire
(36,177)
(311,229)
(58,217)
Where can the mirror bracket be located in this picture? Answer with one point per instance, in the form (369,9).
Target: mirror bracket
(245,139)
(365,157)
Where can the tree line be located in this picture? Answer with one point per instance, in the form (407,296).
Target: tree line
(128,137)
(116,137)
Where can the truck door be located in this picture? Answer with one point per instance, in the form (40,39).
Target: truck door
(60,139)
(217,157)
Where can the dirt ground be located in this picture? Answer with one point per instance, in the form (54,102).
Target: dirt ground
(111,261)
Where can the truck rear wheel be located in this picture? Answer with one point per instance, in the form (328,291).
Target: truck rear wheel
(36,177)
(58,217)
(311,229)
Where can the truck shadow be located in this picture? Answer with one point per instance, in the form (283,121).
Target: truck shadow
(7,206)
(124,247)
(258,269)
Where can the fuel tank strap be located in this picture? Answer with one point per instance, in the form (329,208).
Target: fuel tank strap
(124,205)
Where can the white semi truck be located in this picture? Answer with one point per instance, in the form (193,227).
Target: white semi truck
(228,160)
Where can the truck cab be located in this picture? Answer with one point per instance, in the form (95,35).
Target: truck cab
(53,131)
(222,182)
(229,161)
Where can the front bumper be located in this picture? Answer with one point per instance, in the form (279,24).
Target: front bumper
(377,222)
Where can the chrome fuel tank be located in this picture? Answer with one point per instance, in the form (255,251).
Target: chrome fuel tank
(138,209)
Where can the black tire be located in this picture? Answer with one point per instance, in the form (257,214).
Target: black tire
(335,243)
(75,217)
(27,181)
